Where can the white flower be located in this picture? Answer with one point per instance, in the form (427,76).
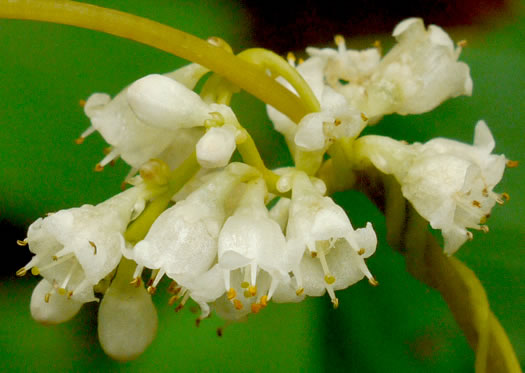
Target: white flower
(76,248)
(319,228)
(216,147)
(415,76)
(50,310)
(182,242)
(127,320)
(146,119)
(251,240)
(449,183)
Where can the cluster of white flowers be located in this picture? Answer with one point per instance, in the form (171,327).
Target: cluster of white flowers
(228,242)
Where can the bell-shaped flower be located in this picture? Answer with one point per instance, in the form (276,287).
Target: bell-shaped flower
(415,76)
(144,120)
(127,320)
(52,310)
(76,248)
(182,242)
(316,225)
(251,240)
(449,183)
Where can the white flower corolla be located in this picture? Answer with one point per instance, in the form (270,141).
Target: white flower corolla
(251,240)
(317,131)
(182,242)
(127,320)
(216,147)
(415,76)
(162,102)
(316,224)
(140,123)
(49,310)
(76,248)
(449,183)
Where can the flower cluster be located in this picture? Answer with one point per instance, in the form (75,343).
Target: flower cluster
(234,236)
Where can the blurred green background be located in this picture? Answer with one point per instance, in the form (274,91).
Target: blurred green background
(399,326)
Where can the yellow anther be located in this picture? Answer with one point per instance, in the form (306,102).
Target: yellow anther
(335,302)
(46,297)
(179,307)
(313,254)
(361,251)
(80,140)
(484,228)
(62,291)
(99,168)
(485,192)
(462,43)
(245,284)
(329,279)
(94,247)
(219,332)
(253,289)
(377,44)
(339,39)
(256,307)
(483,220)
(231,293)
(337,122)
(21,272)
(69,295)
(290,57)
(152,289)
(21,242)
(237,304)
(55,258)
(476,204)
(372,281)
(470,236)
(247,294)
(82,103)
(364,117)
(35,271)
(512,164)
(300,61)
(264,300)
(106,150)
(505,196)
(299,291)
(136,282)
(172,300)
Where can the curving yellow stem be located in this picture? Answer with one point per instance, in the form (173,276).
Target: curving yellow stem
(244,74)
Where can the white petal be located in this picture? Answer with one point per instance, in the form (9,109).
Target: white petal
(58,308)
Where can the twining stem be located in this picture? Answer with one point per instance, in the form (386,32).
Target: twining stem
(278,66)
(180,176)
(457,284)
(243,74)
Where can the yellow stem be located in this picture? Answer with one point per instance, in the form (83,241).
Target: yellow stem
(245,75)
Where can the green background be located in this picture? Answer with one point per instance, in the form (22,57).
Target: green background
(399,326)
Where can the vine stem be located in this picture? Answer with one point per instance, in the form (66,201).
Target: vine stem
(243,74)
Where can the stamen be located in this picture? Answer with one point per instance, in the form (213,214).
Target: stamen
(512,164)
(136,282)
(173,288)
(21,272)
(505,196)
(377,45)
(245,284)
(62,290)
(335,302)
(264,301)
(340,42)
(462,43)
(483,219)
(337,122)
(56,261)
(476,204)
(372,281)
(219,332)
(183,301)
(113,154)
(152,277)
(172,300)
(364,117)
(290,57)
(361,251)
(21,242)
(152,290)
(137,276)
(313,254)
(46,297)
(252,290)
(85,134)
(256,307)
(237,304)
(247,294)
(158,277)
(94,247)
(300,61)
(231,294)
(82,103)
(484,228)
(470,236)
(99,168)
(299,291)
